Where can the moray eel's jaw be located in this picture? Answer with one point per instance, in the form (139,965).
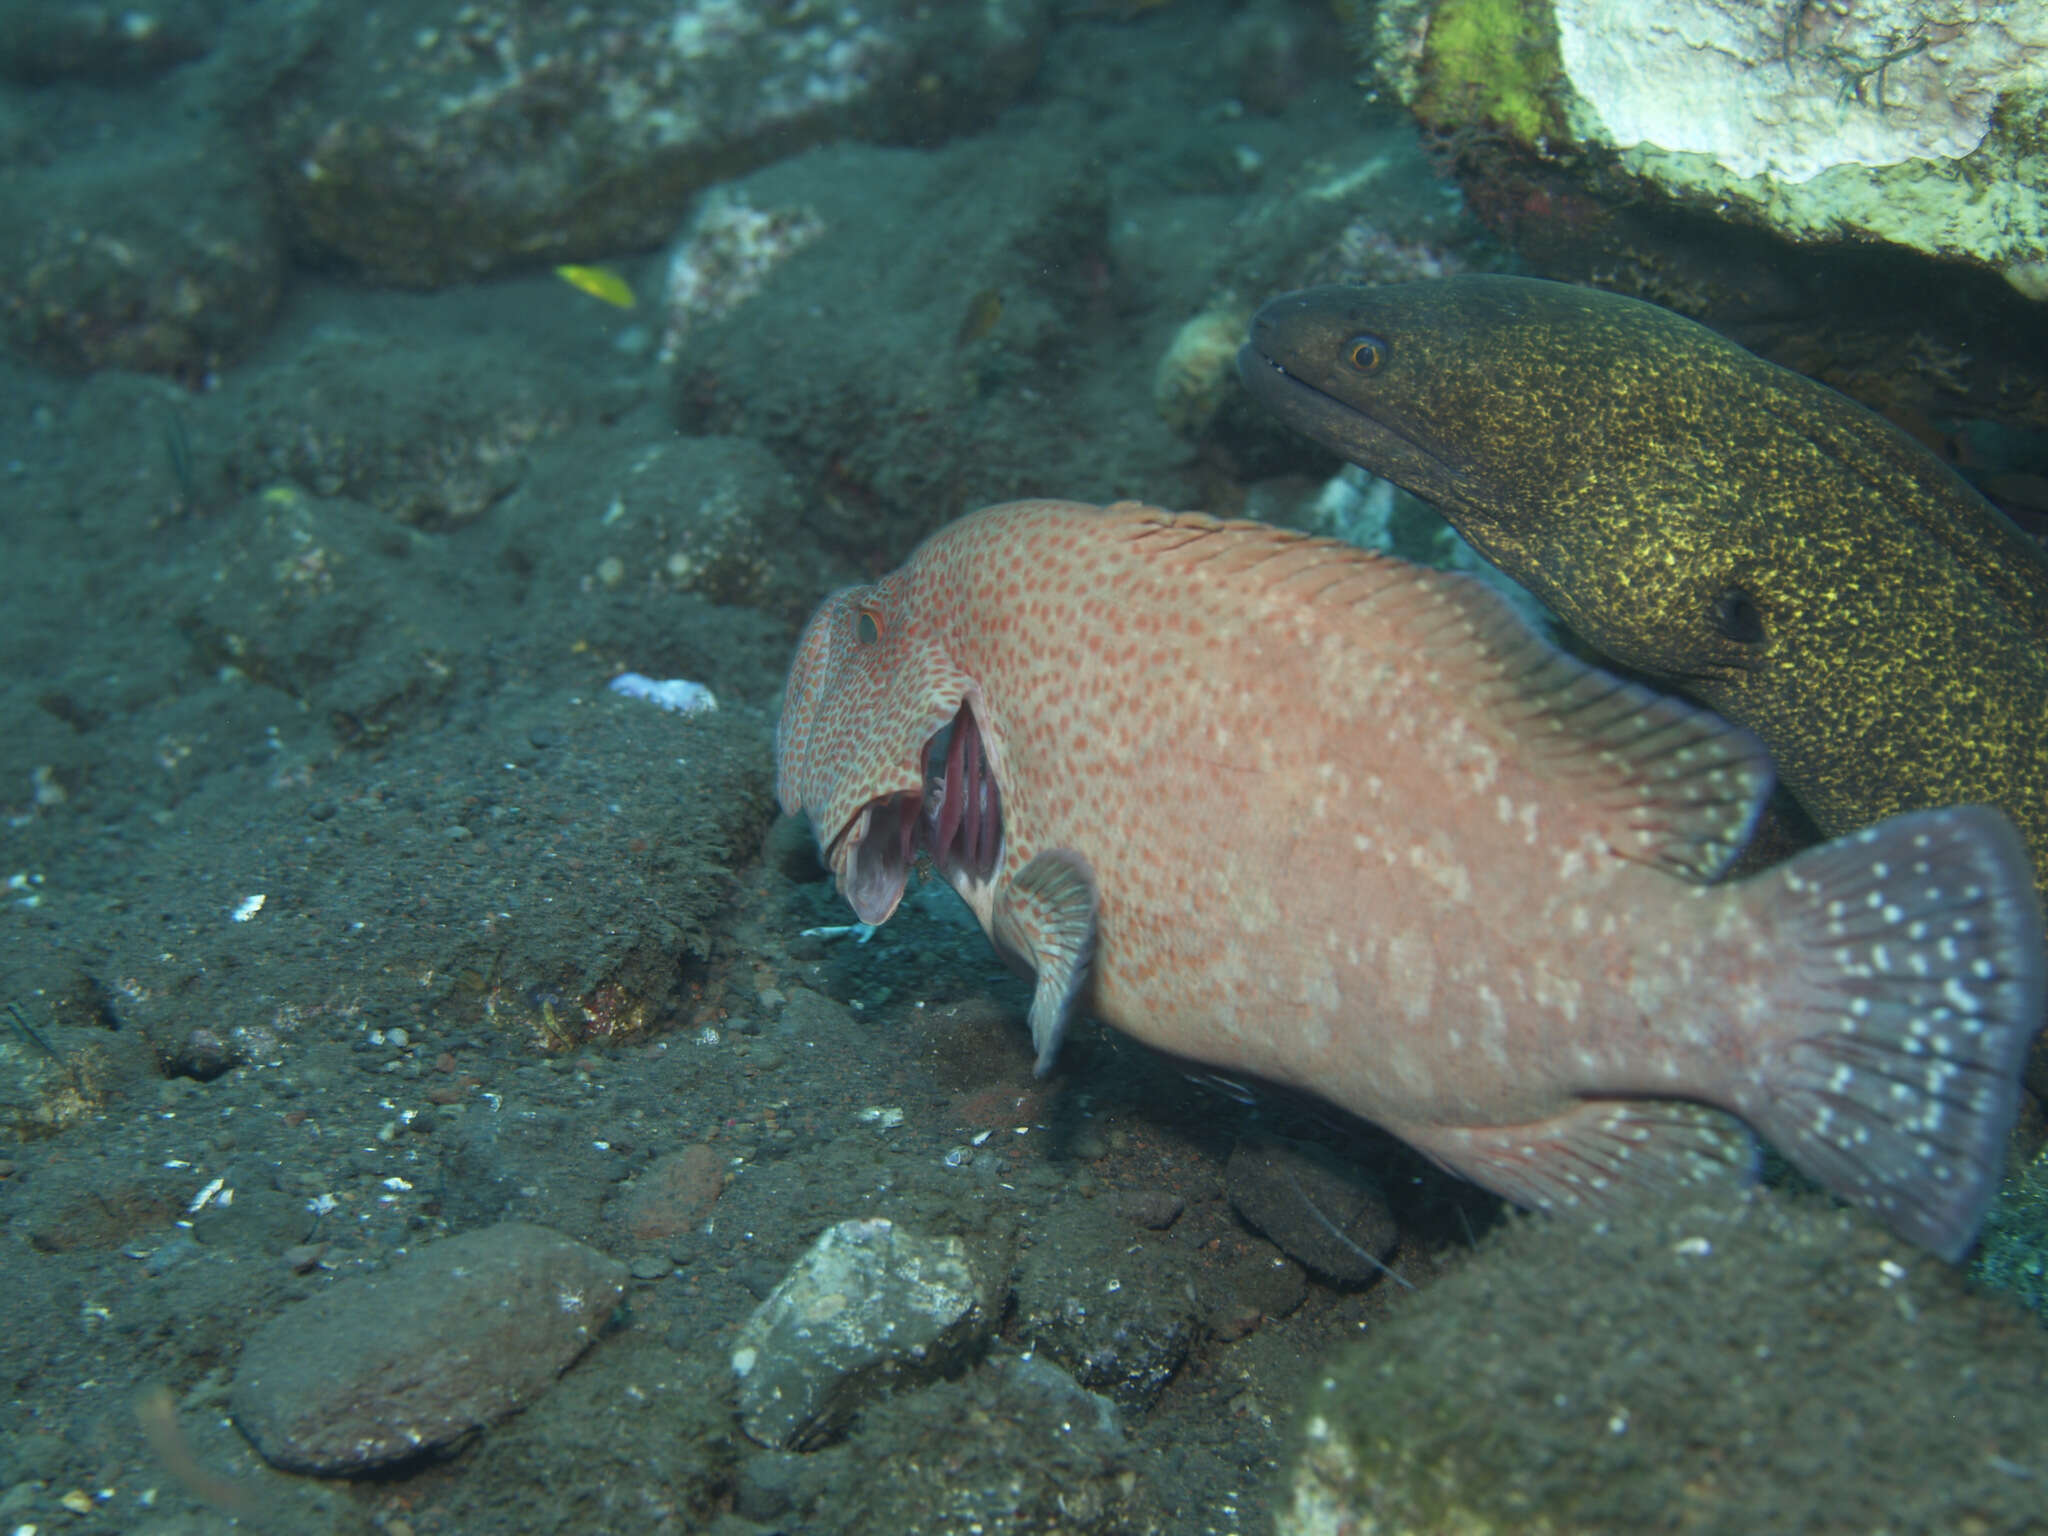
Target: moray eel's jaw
(1416,382)
(1300,392)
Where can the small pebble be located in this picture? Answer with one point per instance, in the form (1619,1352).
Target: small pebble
(675,693)
(651,1266)
(170,1254)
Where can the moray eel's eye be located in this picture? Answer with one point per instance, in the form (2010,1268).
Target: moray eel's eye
(1365,352)
(867,627)
(1735,616)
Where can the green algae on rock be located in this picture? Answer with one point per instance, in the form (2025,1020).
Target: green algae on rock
(1905,122)
(1660,1372)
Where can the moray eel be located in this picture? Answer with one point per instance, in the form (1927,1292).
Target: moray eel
(1747,535)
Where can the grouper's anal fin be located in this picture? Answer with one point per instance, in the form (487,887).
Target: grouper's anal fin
(1045,917)
(1599,1154)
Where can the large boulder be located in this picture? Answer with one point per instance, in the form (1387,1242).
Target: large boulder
(438,142)
(1859,193)
(41,42)
(1902,122)
(385,1367)
(1769,1364)
(101,269)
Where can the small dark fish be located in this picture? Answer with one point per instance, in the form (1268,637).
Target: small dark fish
(178,449)
(983,311)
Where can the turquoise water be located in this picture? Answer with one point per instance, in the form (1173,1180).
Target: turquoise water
(381,385)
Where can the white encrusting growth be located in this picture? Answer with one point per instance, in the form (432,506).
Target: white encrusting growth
(675,694)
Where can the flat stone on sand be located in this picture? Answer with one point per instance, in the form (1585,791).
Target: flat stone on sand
(464,1333)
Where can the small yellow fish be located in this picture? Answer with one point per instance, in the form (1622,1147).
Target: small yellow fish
(600,283)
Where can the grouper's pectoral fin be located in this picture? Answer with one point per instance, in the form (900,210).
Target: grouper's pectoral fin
(1045,917)
(1599,1154)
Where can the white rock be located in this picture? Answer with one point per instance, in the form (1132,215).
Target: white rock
(675,693)
(1765,95)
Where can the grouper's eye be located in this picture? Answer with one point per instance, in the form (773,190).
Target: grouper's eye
(1365,352)
(867,627)
(1736,617)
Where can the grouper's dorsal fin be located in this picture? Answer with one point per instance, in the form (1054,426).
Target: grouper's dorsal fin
(1684,786)
(1283,563)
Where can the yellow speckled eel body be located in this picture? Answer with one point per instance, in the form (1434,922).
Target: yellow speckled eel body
(1294,810)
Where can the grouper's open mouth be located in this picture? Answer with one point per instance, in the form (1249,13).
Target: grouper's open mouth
(956,820)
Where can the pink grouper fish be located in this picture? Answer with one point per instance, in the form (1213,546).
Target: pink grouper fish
(1296,810)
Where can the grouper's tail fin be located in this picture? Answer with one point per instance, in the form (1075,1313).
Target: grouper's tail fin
(1892,1072)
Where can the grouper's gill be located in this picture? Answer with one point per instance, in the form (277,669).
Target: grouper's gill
(962,827)
(957,821)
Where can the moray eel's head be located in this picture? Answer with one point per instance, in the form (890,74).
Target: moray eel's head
(1476,394)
